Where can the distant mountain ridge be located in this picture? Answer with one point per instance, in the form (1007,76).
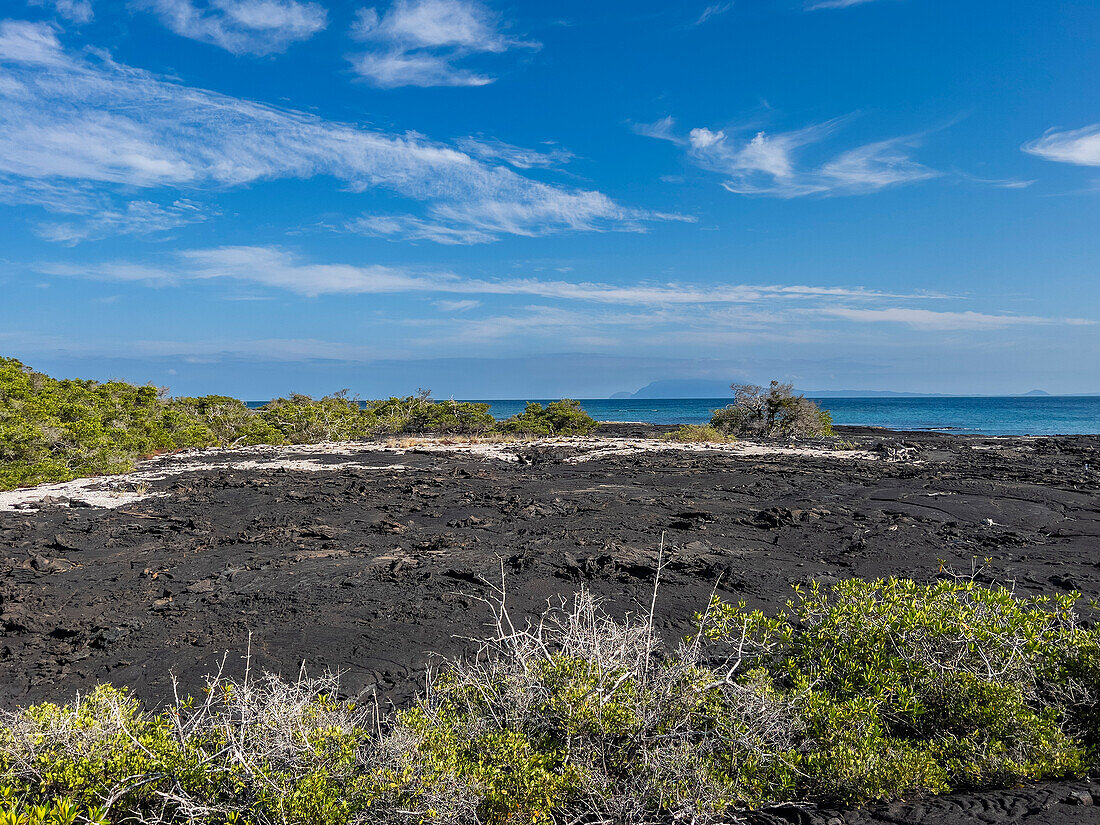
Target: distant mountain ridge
(696,388)
(701,388)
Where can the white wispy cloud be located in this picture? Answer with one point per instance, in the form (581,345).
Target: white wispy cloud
(463,305)
(64,197)
(92,214)
(483,221)
(770,164)
(462,314)
(712,11)
(945,320)
(29,44)
(658,328)
(136,218)
(86,121)
(662,129)
(257,27)
(1078,146)
(875,166)
(997,183)
(75,11)
(281,268)
(517,156)
(411,228)
(419,42)
(208,350)
(835,4)
(560,210)
(391,70)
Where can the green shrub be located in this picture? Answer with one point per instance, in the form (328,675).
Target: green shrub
(301,419)
(304,420)
(266,751)
(420,414)
(565,417)
(867,690)
(698,434)
(16,811)
(772,412)
(906,687)
(221,420)
(53,430)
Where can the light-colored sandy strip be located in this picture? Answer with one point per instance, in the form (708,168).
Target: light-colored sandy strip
(115,491)
(740,448)
(109,492)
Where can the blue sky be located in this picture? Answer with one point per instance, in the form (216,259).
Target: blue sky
(529,199)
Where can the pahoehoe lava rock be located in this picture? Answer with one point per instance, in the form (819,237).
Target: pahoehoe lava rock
(370,570)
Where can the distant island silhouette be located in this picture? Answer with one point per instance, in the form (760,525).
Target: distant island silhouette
(702,388)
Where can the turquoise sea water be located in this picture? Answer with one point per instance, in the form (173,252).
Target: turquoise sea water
(1033,415)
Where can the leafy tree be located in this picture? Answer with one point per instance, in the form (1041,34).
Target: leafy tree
(773,412)
(565,417)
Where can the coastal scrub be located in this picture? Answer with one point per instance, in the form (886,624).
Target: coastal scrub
(772,412)
(698,434)
(859,692)
(58,430)
(565,417)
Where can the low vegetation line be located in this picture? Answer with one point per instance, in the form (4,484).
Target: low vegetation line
(862,691)
(58,430)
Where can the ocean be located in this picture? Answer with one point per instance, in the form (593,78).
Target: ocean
(1028,415)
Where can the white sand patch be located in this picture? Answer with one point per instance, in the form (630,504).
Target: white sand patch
(626,446)
(116,491)
(109,492)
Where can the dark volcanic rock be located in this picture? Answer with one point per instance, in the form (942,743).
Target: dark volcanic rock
(369,570)
(354,568)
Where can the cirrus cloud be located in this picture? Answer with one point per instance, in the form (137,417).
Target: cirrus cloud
(418,42)
(257,27)
(77,120)
(1078,146)
(946,320)
(75,11)
(280,268)
(770,164)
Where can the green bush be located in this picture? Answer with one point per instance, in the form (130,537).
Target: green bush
(249,752)
(304,420)
(772,412)
(565,417)
(868,690)
(221,420)
(908,687)
(16,811)
(698,434)
(420,414)
(301,419)
(53,430)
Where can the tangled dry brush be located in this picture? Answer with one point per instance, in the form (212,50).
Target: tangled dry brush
(863,691)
